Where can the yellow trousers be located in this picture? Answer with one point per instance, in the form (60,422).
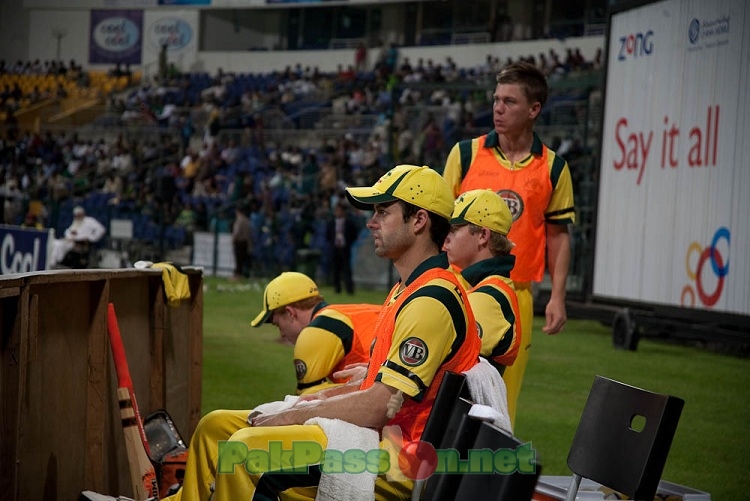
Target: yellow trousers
(203,453)
(234,480)
(513,375)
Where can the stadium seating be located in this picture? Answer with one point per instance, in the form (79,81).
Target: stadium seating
(357,106)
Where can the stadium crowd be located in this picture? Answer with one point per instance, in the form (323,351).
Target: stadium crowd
(210,152)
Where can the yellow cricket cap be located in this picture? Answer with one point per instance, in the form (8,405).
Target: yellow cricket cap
(484,208)
(420,186)
(287,288)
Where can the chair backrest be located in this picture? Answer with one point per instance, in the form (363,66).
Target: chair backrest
(624,436)
(451,388)
(121,228)
(459,435)
(517,485)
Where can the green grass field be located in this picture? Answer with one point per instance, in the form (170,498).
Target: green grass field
(243,367)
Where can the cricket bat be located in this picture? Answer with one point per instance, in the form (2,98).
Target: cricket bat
(142,472)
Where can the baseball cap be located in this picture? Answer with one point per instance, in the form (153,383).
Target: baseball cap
(484,208)
(78,211)
(287,288)
(420,186)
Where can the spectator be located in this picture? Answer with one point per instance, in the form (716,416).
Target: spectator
(163,68)
(432,144)
(360,57)
(73,250)
(342,232)
(213,124)
(31,222)
(391,58)
(242,244)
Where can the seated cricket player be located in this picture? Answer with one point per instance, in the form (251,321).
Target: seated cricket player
(478,245)
(327,338)
(424,330)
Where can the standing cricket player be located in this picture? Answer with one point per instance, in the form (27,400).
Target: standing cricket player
(536,184)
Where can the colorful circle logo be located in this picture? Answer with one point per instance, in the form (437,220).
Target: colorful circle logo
(698,274)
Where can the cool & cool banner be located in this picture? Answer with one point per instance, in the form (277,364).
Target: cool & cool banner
(115,36)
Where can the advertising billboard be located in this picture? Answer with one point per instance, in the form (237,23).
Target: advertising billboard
(674,191)
(23,249)
(115,36)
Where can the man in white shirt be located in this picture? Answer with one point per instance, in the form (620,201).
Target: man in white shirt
(82,232)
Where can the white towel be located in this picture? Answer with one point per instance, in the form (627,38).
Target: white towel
(487,387)
(273,407)
(343,436)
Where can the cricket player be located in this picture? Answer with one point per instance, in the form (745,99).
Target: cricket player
(536,184)
(326,338)
(425,329)
(478,245)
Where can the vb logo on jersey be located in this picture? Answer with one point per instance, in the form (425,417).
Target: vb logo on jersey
(300,367)
(514,202)
(413,352)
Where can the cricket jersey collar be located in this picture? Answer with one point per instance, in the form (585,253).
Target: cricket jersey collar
(497,265)
(319,307)
(437,261)
(493,141)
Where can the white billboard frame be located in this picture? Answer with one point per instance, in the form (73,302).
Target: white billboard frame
(658,291)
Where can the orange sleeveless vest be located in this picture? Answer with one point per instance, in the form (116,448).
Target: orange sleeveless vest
(413,415)
(364,317)
(527,191)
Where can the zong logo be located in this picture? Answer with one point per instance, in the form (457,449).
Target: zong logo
(636,45)
(694,31)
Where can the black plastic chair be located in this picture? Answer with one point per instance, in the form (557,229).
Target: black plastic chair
(449,427)
(518,485)
(452,388)
(623,438)
(79,257)
(460,434)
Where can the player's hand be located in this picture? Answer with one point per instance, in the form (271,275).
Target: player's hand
(555,316)
(356,372)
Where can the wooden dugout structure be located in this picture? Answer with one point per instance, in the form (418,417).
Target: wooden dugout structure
(60,430)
